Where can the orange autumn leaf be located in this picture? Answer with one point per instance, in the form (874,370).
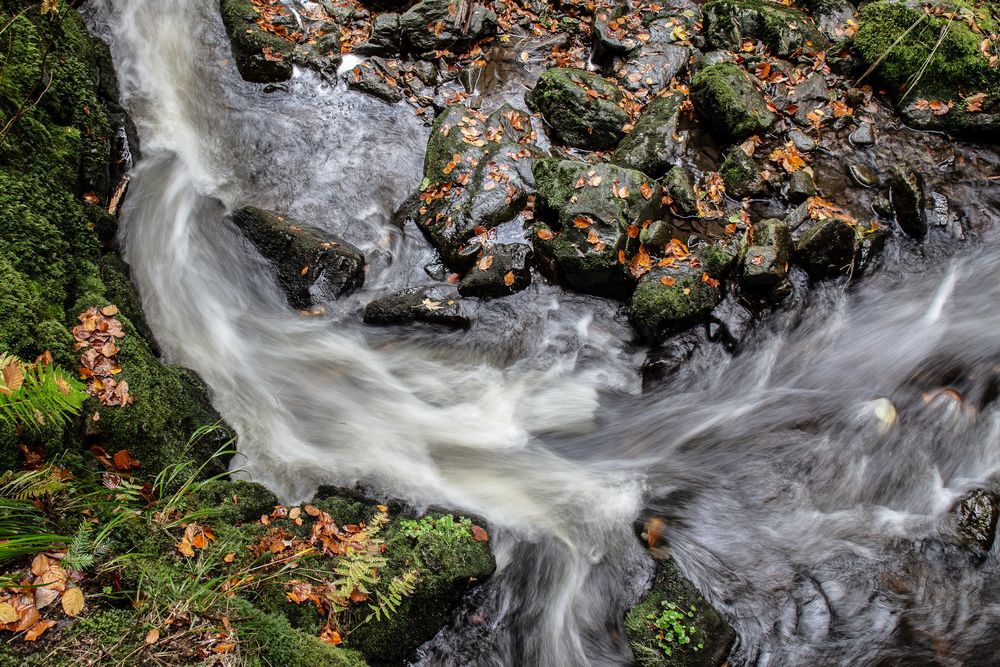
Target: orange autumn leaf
(486,262)
(668,281)
(709,280)
(508,278)
(974,103)
(633,231)
(37,629)
(646,190)
(545,234)
(581,222)
(479,534)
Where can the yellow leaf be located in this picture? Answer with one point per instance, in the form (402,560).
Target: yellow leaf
(8,614)
(72,602)
(152,636)
(50,6)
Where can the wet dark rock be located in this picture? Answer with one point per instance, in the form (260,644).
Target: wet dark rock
(656,234)
(652,146)
(678,184)
(827,248)
(611,41)
(976,514)
(872,244)
(385,36)
(261,57)
(865,135)
(801,186)
(766,253)
(813,89)
(311,265)
(797,216)
(741,175)
(802,141)
(435,24)
(715,58)
(672,298)
(728,23)
(710,636)
(377,78)
(730,322)
(725,95)
(488,184)
(652,68)
(882,206)
(578,118)
(582,226)
(429,304)
(501,269)
(906,191)
(862,175)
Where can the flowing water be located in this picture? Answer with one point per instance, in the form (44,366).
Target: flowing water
(819,529)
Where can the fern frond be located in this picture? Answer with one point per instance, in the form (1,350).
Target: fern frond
(34,395)
(388,601)
(30,484)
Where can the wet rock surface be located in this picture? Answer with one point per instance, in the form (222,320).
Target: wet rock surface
(582,108)
(977,514)
(726,96)
(312,266)
(429,304)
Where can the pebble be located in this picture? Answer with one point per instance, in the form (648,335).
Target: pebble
(863,176)
(802,141)
(864,135)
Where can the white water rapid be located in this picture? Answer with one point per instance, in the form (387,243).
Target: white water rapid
(810,524)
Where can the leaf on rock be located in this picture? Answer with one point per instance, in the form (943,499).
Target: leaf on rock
(479,534)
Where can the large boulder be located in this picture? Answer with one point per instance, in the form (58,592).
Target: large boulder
(674,626)
(433,25)
(653,146)
(896,38)
(726,96)
(588,222)
(582,108)
(311,265)
(783,29)
(476,176)
(502,269)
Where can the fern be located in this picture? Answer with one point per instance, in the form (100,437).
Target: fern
(357,570)
(390,599)
(82,551)
(34,395)
(30,484)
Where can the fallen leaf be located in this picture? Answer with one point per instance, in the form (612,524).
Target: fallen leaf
(72,602)
(431,305)
(508,278)
(479,534)
(974,103)
(486,262)
(109,310)
(294,513)
(37,629)
(545,234)
(7,613)
(312,510)
(668,281)
(152,636)
(229,557)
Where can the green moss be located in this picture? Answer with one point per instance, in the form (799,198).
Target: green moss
(781,28)
(580,119)
(673,626)
(657,309)
(902,41)
(725,95)
(741,175)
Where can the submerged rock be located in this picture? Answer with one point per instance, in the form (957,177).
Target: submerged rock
(906,191)
(502,269)
(311,265)
(429,304)
(588,221)
(581,107)
(433,25)
(976,514)
(674,626)
(783,29)
(653,146)
(728,99)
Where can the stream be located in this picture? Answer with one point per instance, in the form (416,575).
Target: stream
(807,482)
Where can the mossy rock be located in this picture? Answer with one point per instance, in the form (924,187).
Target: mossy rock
(249,43)
(741,175)
(725,95)
(671,299)
(652,147)
(827,249)
(582,108)
(695,634)
(765,253)
(902,41)
(582,232)
(783,29)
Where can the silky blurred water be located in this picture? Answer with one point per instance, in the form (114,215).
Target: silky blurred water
(820,531)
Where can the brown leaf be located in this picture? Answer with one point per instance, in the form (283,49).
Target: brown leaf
(312,510)
(72,602)
(545,234)
(668,281)
(229,557)
(184,546)
(479,534)
(152,636)
(294,513)
(646,190)
(45,596)
(486,262)
(125,461)
(358,596)
(974,103)
(581,222)
(109,310)
(40,564)
(37,629)
(508,278)
(13,377)
(224,647)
